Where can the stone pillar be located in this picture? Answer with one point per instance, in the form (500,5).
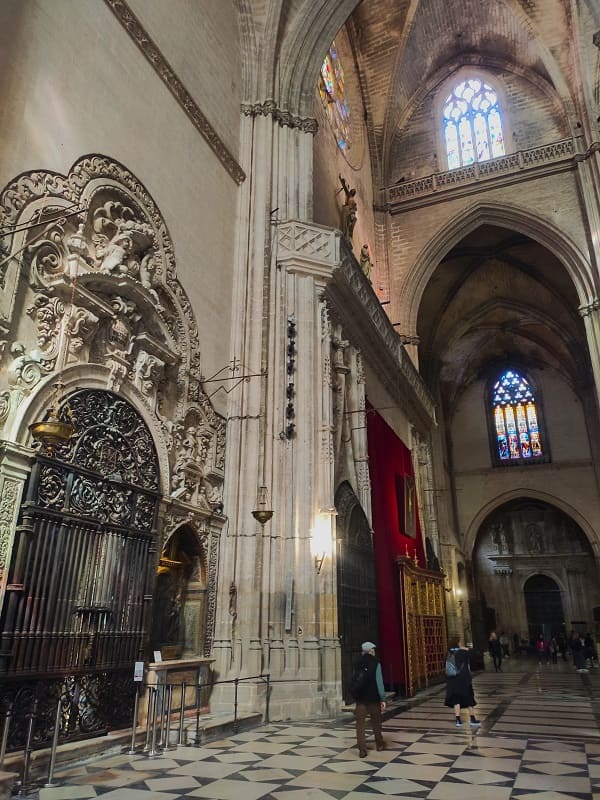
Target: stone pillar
(271,601)
(15,466)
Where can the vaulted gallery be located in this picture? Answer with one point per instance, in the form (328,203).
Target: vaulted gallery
(312,289)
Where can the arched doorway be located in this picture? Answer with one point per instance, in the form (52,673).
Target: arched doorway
(534,570)
(179,611)
(81,573)
(356,580)
(544,608)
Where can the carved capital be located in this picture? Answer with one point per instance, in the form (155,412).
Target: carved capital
(285,118)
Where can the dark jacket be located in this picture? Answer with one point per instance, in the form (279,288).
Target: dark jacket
(495,647)
(372,691)
(459,688)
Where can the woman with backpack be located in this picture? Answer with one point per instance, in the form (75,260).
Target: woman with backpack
(459,682)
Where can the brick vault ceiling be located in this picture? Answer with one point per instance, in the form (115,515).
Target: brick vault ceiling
(498,295)
(406,48)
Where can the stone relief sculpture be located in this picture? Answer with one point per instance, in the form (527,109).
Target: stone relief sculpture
(534,539)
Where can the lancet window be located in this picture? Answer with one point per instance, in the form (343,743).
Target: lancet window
(516,420)
(472,124)
(333,96)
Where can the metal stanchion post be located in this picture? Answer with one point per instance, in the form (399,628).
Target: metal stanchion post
(149,719)
(132,751)
(181,715)
(267,709)
(235,705)
(167,730)
(161,730)
(5,730)
(152,753)
(49,783)
(197,739)
(27,753)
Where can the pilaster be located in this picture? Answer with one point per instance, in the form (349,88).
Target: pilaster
(15,466)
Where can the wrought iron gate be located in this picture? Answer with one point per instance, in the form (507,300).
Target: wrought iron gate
(357,592)
(76,611)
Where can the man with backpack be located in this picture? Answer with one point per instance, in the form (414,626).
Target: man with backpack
(367,689)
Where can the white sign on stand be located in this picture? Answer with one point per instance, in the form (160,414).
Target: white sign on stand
(138,671)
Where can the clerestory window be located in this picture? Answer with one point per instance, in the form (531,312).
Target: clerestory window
(472,124)
(516,420)
(333,96)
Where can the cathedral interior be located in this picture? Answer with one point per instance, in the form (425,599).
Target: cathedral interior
(299,342)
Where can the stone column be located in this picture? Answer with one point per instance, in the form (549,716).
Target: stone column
(15,466)
(306,256)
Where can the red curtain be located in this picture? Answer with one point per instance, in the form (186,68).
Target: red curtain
(390,464)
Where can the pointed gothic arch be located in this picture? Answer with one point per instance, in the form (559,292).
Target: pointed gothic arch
(501,216)
(356,580)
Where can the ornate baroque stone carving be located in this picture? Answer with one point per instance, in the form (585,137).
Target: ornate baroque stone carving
(284,118)
(169,77)
(104,290)
(8,502)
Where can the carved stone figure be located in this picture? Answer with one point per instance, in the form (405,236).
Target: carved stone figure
(500,538)
(365,261)
(534,539)
(349,211)
(147,373)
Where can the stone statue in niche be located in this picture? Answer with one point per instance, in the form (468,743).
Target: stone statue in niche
(534,539)
(349,211)
(500,538)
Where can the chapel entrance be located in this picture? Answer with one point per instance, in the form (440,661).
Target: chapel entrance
(77,606)
(356,580)
(544,607)
(179,611)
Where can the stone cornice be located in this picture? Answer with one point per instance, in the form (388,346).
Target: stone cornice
(168,76)
(284,118)
(524,164)
(357,307)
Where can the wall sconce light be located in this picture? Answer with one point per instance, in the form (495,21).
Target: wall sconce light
(262,513)
(321,537)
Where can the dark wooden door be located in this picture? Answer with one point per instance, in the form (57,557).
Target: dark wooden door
(357,598)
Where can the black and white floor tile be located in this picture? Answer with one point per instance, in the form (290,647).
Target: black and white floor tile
(539,740)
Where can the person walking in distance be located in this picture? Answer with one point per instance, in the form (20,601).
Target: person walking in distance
(495,649)
(367,689)
(459,682)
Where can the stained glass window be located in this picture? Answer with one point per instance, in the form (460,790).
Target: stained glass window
(516,426)
(472,124)
(333,97)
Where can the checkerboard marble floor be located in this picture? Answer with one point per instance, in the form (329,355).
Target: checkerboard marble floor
(539,740)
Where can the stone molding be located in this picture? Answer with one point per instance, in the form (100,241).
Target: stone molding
(285,118)
(301,241)
(353,303)
(587,310)
(469,179)
(168,76)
